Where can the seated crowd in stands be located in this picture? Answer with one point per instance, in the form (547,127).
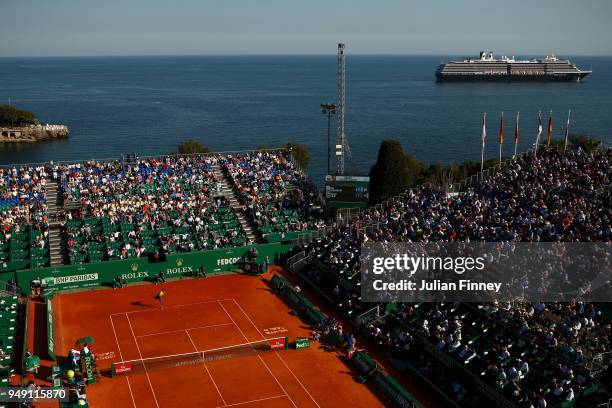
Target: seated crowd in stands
(148,207)
(534,354)
(23,218)
(275,191)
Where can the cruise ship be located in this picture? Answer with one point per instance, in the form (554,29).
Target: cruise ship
(489,68)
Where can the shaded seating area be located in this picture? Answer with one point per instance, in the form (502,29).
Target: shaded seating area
(100,239)
(24,246)
(8,324)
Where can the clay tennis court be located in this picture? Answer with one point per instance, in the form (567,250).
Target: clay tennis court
(201,315)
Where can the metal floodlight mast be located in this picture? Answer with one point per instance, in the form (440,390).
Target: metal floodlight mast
(328,109)
(342,147)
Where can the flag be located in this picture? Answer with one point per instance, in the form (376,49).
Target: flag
(484,139)
(516,131)
(539,124)
(535,152)
(501,129)
(484,129)
(567,129)
(549,130)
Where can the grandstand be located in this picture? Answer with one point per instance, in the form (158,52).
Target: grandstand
(112,217)
(150,207)
(510,355)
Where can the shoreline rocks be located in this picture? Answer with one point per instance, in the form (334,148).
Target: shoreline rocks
(34,133)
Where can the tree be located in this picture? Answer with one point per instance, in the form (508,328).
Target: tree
(584,141)
(11,116)
(390,175)
(578,140)
(191,146)
(300,153)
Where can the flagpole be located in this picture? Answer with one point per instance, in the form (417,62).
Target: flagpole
(501,136)
(516,132)
(538,134)
(569,112)
(484,135)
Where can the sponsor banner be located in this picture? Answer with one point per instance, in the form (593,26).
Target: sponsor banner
(50,333)
(122,368)
(87,361)
(278,344)
(135,276)
(227,261)
(302,343)
(67,280)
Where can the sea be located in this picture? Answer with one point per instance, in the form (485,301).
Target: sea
(148,105)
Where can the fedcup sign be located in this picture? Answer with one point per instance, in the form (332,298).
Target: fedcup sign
(477,272)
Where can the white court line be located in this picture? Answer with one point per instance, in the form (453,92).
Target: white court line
(143,364)
(156,309)
(253,401)
(207,370)
(276,352)
(121,356)
(182,330)
(260,359)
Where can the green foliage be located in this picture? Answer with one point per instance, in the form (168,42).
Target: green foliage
(11,116)
(191,146)
(300,153)
(558,143)
(578,140)
(584,141)
(395,172)
(391,173)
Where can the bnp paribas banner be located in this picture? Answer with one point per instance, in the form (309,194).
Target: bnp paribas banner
(140,269)
(86,279)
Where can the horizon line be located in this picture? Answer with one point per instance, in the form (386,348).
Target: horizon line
(278,55)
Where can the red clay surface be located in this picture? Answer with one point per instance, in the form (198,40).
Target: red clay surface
(202,315)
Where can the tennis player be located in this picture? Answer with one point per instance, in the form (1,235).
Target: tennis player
(160,297)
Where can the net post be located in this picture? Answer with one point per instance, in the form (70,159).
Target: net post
(286,342)
(112,373)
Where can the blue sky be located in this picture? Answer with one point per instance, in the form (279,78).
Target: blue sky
(154,27)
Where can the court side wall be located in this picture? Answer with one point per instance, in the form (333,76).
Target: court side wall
(140,269)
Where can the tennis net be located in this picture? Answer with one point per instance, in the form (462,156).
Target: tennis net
(198,357)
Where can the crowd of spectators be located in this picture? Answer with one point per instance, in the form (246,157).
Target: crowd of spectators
(139,190)
(533,353)
(150,207)
(23,197)
(23,217)
(276,193)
